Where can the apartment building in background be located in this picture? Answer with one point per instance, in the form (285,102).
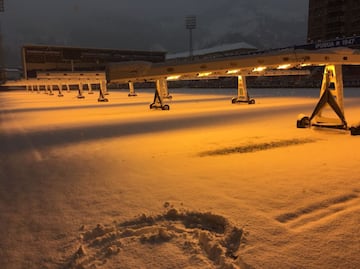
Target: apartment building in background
(330,19)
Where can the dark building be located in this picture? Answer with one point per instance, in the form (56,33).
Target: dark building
(330,19)
(56,58)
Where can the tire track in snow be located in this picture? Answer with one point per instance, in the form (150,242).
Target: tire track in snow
(315,212)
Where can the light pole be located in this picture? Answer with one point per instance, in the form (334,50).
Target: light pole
(190,23)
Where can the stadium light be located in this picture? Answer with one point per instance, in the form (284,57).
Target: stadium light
(284,66)
(235,71)
(204,74)
(259,69)
(175,77)
(190,24)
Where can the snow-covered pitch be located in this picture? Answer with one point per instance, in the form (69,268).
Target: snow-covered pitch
(206,184)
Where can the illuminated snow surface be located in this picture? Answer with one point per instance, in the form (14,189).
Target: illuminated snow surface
(207,184)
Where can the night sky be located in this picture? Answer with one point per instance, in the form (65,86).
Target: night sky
(151,25)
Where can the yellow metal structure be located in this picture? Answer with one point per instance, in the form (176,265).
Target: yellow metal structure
(267,63)
(288,61)
(131,89)
(331,97)
(49,80)
(329,111)
(243,95)
(248,64)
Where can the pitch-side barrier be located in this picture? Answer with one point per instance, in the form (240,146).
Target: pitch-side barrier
(49,82)
(278,62)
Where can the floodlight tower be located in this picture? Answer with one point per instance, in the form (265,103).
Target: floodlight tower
(190,23)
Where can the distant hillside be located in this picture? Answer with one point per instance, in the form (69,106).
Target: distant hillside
(151,26)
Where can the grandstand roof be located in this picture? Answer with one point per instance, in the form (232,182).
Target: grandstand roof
(213,50)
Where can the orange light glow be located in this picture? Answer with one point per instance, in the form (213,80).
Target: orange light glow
(175,77)
(259,69)
(284,66)
(205,74)
(235,71)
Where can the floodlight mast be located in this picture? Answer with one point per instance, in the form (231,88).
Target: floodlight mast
(190,23)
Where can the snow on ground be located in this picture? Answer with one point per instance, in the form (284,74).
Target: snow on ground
(207,184)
